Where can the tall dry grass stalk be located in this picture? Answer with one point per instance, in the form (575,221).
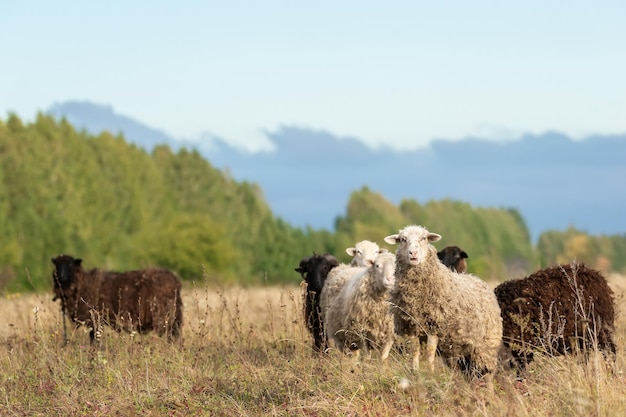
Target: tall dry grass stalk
(247,352)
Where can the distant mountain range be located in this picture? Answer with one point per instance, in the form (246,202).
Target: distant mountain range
(554,181)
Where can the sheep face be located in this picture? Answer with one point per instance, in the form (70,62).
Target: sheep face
(364,253)
(385,270)
(314,270)
(413,243)
(454,258)
(64,271)
(304,264)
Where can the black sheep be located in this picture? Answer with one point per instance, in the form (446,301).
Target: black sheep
(557,310)
(454,258)
(314,270)
(141,300)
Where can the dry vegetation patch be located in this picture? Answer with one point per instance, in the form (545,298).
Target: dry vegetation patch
(247,352)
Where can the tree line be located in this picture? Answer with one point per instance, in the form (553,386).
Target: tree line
(119,207)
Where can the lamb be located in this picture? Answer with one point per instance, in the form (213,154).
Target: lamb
(314,270)
(454,258)
(561,309)
(364,253)
(140,300)
(458,312)
(358,317)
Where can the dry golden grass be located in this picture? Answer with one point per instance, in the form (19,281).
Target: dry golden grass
(246,352)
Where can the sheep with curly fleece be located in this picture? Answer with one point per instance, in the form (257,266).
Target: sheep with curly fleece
(364,253)
(359,318)
(140,300)
(458,312)
(336,280)
(561,309)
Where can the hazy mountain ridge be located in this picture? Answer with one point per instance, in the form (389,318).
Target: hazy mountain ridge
(97,118)
(551,179)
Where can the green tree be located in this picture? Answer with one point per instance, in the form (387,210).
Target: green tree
(119,207)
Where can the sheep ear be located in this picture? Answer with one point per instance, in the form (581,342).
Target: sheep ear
(392,239)
(77,262)
(464,254)
(331,260)
(351,251)
(433,237)
(383,250)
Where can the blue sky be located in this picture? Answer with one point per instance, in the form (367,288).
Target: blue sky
(399,73)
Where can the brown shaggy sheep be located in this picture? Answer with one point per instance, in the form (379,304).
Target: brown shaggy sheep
(141,300)
(314,270)
(454,258)
(561,309)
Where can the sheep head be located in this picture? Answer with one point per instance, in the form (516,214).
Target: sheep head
(302,269)
(454,258)
(413,243)
(314,270)
(364,253)
(384,269)
(65,268)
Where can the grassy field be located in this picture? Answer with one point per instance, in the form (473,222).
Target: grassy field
(246,352)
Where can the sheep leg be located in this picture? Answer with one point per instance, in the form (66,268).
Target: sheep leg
(431,349)
(64,328)
(367,353)
(416,354)
(487,380)
(336,343)
(386,349)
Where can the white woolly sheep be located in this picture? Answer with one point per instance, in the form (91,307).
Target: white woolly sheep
(459,312)
(364,253)
(359,318)
(335,281)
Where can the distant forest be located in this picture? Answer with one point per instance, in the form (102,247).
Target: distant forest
(118,207)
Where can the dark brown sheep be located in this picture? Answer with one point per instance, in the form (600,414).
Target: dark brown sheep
(141,300)
(454,258)
(561,309)
(314,270)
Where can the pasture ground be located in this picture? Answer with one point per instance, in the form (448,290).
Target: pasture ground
(246,352)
